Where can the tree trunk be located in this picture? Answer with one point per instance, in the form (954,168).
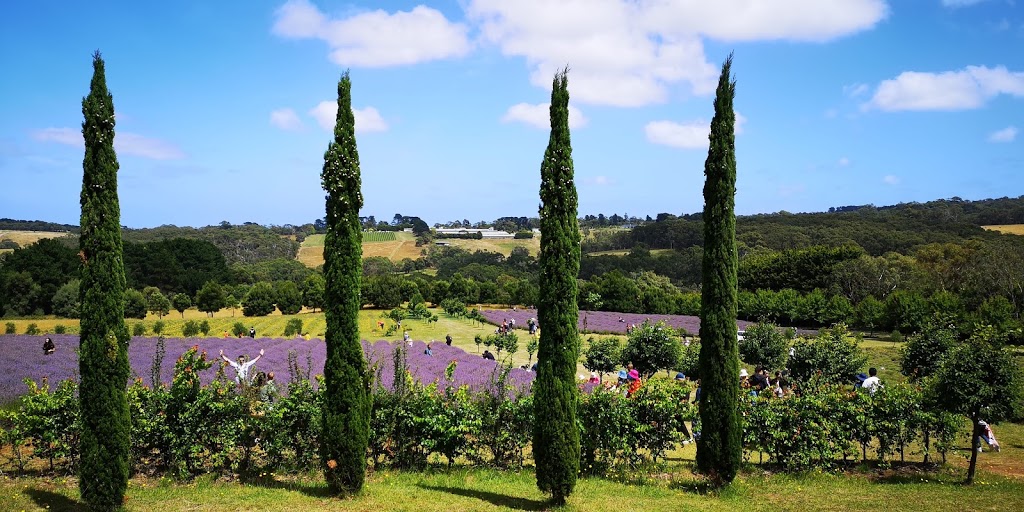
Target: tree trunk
(975,444)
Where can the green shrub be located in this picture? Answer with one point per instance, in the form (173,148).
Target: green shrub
(158,327)
(239,330)
(32,329)
(293,327)
(10,328)
(139,329)
(190,329)
(60,329)
(204,327)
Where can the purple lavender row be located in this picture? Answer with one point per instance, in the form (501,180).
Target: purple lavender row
(603,321)
(21,356)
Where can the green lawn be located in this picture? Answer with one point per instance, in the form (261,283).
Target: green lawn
(673,489)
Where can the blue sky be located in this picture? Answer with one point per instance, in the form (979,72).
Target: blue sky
(221,105)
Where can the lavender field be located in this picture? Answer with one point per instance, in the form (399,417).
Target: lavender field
(603,321)
(21,357)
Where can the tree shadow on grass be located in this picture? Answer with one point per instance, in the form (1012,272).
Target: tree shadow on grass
(54,501)
(313,490)
(493,498)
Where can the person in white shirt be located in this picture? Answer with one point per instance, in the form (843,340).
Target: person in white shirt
(241,366)
(872,383)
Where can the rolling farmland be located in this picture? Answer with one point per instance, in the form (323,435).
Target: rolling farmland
(1007,229)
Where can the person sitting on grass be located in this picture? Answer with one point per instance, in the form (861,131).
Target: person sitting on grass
(242,366)
(49,347)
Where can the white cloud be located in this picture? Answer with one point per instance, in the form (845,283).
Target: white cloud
(599,181)
(634,52)
(891,180)
(125,143)
(968,88)
(688,135)
(1007,134)
(375,38)
(539,115)
(286,119)
(843,162)
(367,119)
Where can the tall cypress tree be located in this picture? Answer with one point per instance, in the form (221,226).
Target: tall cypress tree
(346,408)
(103,361)
(556,438)
(720,448)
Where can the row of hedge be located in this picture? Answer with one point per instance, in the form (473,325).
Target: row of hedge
(186,429)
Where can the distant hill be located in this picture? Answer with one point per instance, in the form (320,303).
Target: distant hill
(35,225)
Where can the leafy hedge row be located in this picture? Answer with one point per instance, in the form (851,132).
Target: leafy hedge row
(186,429)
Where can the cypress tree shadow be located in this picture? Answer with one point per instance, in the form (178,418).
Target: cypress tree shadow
(500,500)
(312,490)
(53,501)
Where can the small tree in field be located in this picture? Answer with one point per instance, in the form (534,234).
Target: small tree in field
(764,345)
(652,347)
(980,380)
(210,298)
(602,355)
(181,302)
(924,351)
(835,354)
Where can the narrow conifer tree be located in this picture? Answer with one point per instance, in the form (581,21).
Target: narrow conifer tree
(719,450)
(556,437)
(103,359)
(346,407)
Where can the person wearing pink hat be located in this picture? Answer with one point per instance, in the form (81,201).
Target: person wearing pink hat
(634,382)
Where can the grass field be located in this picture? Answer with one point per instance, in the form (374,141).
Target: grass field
(397,246)
(1009,229)
(23,238)
(671,488)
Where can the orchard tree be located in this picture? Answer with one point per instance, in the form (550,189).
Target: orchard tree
(313,291)
(602,355)
(259,301)
(835,356)
(134,304)
(105,445)
(346,399)
(210,298)
(556,435)
(156,302)
(181,302)
(288,297)
(980,380)
(924,351)
(764,345)
(232,303)
(720,449)
(652,347)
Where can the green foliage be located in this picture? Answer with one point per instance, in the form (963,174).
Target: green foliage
(158,327)
(313,291)
(293,327)
(190,329)
(204,327)
(60,329)
(869,313)
(103,359)
(384,292)
(556,436)
(32,329)
(833,357)
(238,329)
(287,297)
(719,450)
(453,307)
(652,347)
(923,352)
(602,355)
(210,298)
(259,301)
(181,302)
(134,304)
(139,329)
(763,344)
(10,328)
(347,402)
(689,360)
(49,420)
(66,301)
(156,302)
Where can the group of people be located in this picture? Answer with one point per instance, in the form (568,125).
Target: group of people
(760,382)
(506,326)
(263,381)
